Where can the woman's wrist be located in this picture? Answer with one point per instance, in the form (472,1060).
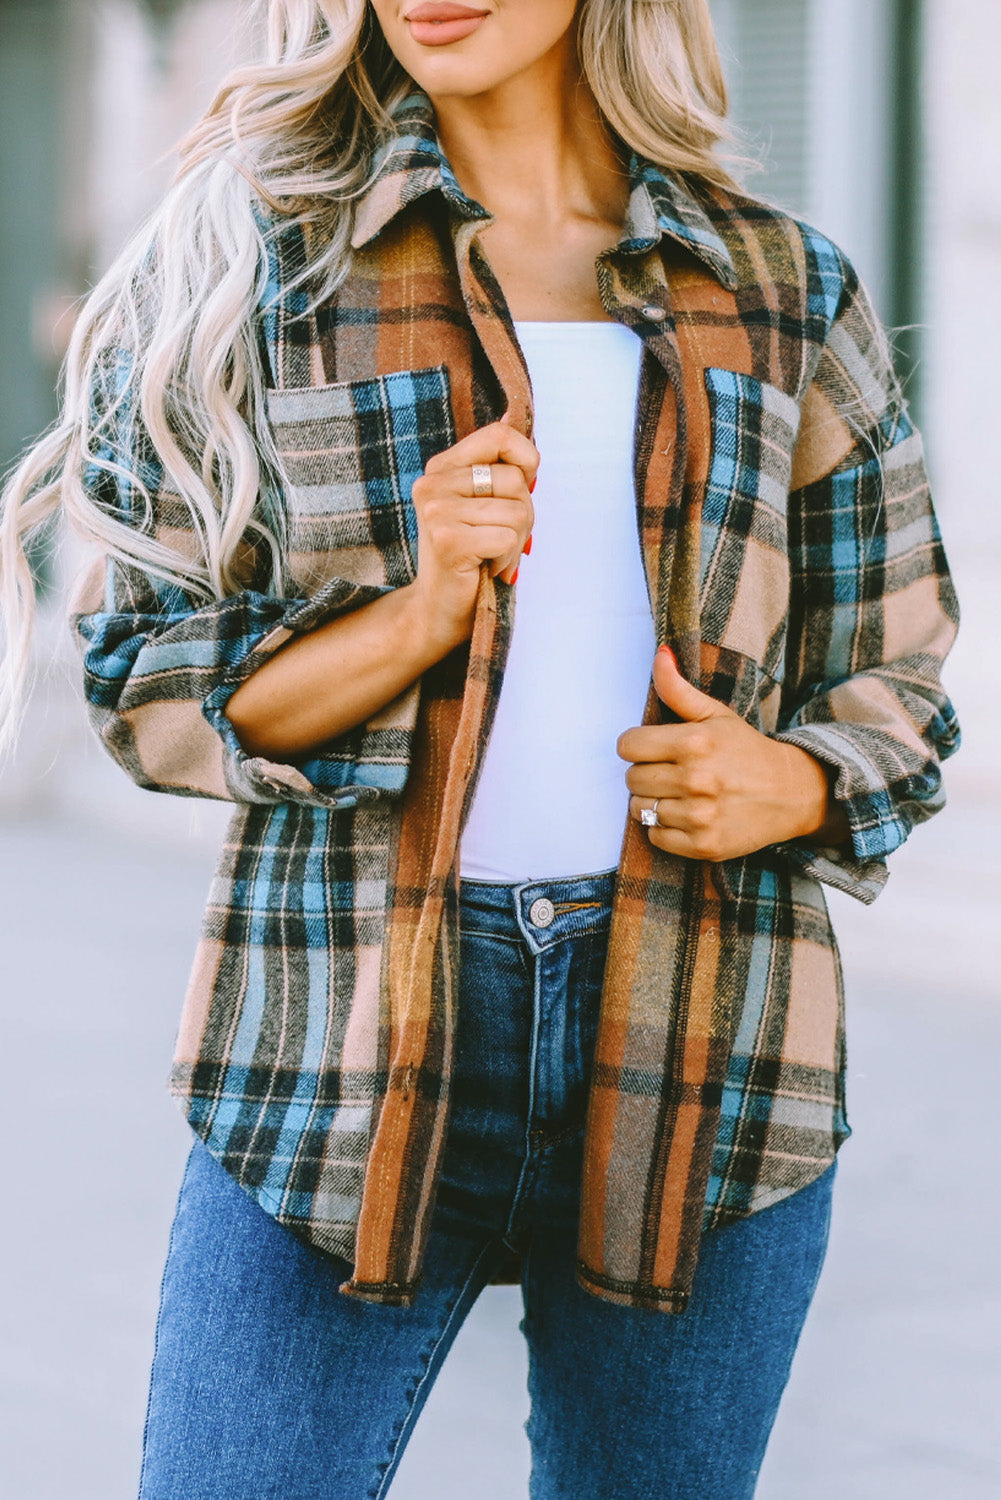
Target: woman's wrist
(819,817)
(433,628)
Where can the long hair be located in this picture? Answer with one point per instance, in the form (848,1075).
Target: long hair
(167,339)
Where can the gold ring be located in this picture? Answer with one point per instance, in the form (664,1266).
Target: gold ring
(483,480)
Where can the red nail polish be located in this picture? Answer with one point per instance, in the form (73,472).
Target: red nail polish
(514,577)
(531,487)
(528,545)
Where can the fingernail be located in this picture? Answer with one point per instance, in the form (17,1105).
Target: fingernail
(528,546)
(514,577)
(531,487)
(668,652)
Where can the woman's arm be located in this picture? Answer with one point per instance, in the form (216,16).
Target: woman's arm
(873,611)
(334,677)
(872,615)
(161,671)
(327,681)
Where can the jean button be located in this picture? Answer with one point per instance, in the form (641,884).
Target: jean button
(542,913)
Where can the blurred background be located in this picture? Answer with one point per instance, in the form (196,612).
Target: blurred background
(877,120)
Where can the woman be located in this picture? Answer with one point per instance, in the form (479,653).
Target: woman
(438,288)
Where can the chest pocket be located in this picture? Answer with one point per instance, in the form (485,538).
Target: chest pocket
(351,452)
(744,584)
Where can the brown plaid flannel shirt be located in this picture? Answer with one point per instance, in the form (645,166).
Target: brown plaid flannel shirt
(795,566)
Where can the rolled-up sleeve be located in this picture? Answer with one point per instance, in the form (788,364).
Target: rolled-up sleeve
(157,682)
(160,664)
(873,610)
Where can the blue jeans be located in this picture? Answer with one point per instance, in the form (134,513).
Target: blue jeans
(268,1382)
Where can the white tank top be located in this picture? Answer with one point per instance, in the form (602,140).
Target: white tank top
(551,799)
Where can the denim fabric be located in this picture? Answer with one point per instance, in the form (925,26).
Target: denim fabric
(268,1382)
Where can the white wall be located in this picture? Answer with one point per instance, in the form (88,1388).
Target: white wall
(963,231)
(962,344)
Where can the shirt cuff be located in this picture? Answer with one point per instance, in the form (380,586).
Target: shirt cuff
(360,766)
(876,828)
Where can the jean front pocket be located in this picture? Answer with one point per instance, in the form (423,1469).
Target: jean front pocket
(351,453)
(745,552)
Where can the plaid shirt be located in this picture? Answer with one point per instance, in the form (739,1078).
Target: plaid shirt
(795,566)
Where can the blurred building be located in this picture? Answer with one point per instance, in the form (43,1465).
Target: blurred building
(93,94)
(826,93)
(877,120)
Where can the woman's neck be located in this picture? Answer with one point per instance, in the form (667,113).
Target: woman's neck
(537,154)
(535,149)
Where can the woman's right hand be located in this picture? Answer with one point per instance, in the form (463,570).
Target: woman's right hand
(458,531)
(334,677)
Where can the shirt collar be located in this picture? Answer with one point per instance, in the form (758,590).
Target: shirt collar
(410,163)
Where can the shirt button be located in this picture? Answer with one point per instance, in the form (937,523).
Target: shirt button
(542,913)
(653,314)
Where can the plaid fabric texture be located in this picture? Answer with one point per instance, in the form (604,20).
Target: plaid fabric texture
(795,566)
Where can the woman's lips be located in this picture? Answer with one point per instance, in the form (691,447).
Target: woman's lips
(440,24)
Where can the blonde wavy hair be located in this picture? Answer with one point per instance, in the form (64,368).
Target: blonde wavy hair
(168,337)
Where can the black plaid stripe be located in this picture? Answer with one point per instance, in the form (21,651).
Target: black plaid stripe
(352,453)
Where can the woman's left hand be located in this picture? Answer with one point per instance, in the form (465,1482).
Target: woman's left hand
(722,788)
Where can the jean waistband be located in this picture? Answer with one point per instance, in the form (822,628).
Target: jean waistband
(543,912)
